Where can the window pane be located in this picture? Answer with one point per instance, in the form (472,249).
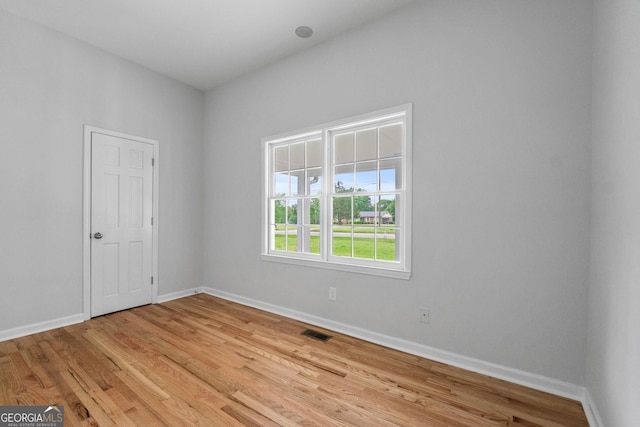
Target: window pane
(280,241)
(312,239)
(342,210)
(391,141)
(314,153)
(390,174)
(291,242)
(281,184)
(366,176)
(343,178)
(297,156)
(278,222)
(386,249)
(343,148)
(279,213)
(367,144)
(386,209)
(363,208)
(364,242)
(312,212)
(311,226)
(292,229)
(292,212)
(314,178)
(297,183)
(281,158)
(341,241)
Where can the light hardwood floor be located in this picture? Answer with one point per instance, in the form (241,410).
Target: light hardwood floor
(205,361)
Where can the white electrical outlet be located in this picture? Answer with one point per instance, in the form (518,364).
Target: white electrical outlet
(424,315)
(332,293)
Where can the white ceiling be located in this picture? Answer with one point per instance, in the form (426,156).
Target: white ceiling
(200,42)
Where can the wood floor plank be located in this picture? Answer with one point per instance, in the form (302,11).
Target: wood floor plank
(205,361)
(9,376)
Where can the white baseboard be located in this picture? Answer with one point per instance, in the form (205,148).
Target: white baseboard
(77,318)
(178,295)
(40,327)
(591,411)
(516,376)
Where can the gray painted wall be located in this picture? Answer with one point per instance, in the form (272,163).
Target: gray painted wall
(50,86)
(501,160)
(613,362)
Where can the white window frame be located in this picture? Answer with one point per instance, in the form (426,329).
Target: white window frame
(400,269)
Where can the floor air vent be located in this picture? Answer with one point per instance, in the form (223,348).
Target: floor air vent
(317,335)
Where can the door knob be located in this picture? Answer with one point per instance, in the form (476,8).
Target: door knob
(97,236)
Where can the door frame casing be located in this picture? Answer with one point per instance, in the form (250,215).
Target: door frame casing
(86,213)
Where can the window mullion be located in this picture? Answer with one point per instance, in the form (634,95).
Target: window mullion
(326,205)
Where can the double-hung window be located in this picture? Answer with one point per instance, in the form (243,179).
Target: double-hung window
(338,195)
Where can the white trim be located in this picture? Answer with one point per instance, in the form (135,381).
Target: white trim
(401,269)
(177,295)
(350,268)
(590,410)
(86,213)
(292,136)
(538,382)
(407,180)
(35,328)
(48,325)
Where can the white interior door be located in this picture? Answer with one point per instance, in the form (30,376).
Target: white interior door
(121,223)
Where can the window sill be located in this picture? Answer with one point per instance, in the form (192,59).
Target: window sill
(359,269)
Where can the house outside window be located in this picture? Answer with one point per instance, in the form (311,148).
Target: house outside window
(375,217)
(338,195)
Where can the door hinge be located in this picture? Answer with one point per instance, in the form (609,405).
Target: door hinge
(151,220)
(153,162)
(152,280)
